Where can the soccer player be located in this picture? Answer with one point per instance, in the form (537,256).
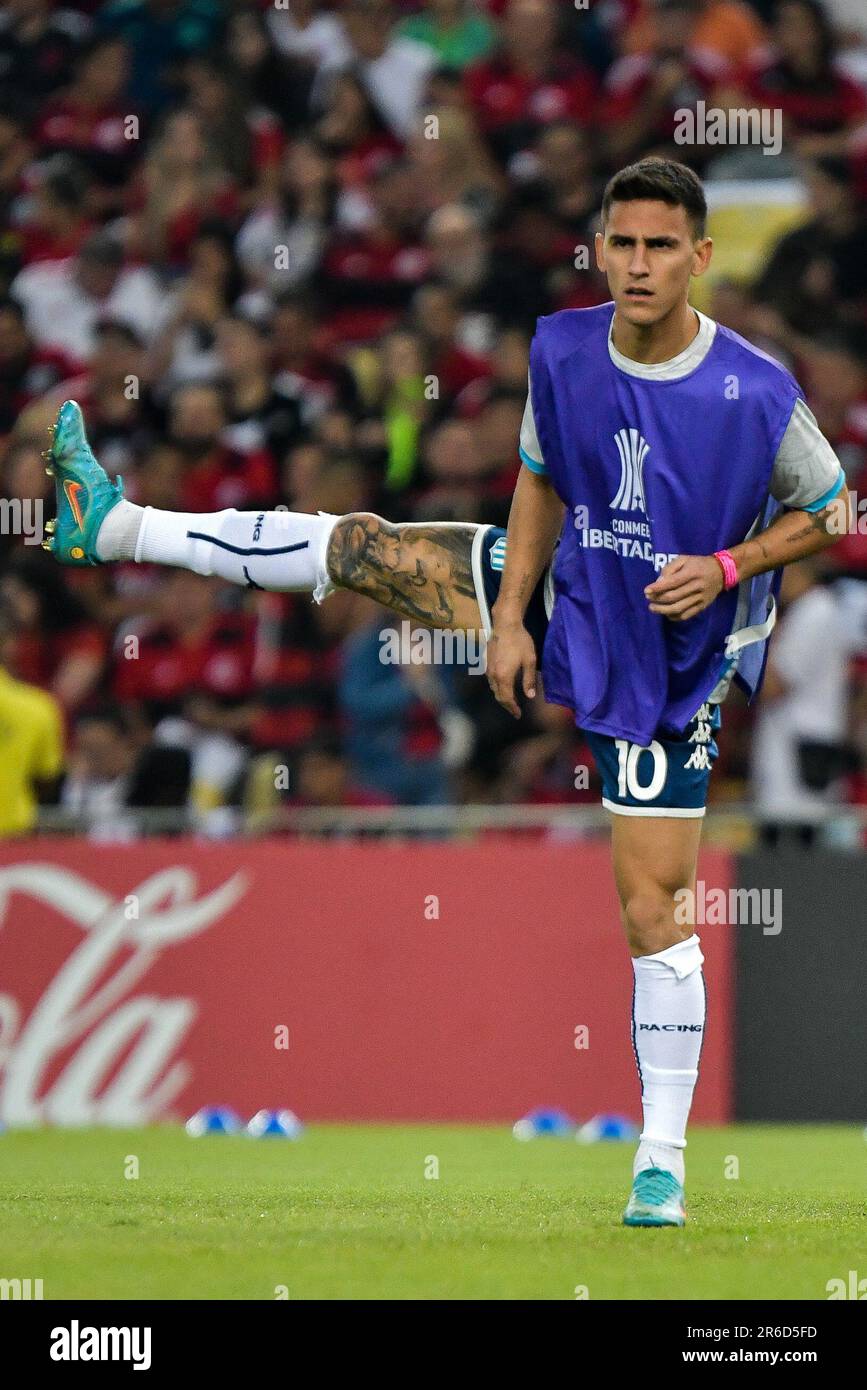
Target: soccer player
(679,468)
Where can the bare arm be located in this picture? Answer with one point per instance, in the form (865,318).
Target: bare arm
(690,583)
(535,520)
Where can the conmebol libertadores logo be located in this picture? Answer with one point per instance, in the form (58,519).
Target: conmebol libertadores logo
(633,450)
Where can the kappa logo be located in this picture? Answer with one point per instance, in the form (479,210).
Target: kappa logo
(633,450)
(498,554)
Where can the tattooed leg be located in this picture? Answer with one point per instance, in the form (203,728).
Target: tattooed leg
(420,570)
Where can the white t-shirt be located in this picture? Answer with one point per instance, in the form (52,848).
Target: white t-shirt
(322,40)
(806,471)
(61,315)
(395,81)
(811,651)
(848,15)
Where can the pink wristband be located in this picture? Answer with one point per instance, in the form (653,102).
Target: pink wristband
(729,568)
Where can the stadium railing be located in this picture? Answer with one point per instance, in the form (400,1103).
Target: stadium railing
(732,826)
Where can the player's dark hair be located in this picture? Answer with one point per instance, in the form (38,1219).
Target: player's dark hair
(663,180)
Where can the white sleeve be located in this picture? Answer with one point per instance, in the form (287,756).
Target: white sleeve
(807,472)
(530,449)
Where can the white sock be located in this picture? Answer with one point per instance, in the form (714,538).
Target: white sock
(282,551)
(668,1017)
(117,536)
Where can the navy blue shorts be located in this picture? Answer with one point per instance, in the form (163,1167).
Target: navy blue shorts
(489,556)
(669,778)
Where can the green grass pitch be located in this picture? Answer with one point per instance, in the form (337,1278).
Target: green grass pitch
(347,1212)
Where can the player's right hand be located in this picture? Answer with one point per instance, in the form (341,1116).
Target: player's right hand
(511,656)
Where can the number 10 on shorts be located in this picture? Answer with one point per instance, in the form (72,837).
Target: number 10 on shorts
(627,769)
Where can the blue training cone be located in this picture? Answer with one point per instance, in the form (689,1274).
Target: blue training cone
(541,1123)
(607,1129)
(213,1119)
(278,1124)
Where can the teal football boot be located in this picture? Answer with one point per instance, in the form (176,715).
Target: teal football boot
(85,493)
(656,1199)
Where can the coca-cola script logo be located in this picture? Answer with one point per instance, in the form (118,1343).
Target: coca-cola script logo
(101,1023)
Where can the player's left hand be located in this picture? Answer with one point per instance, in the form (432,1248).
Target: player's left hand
(686,586)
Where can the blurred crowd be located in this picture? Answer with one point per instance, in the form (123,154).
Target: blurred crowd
(292,254)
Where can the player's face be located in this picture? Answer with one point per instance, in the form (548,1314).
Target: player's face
(649,252)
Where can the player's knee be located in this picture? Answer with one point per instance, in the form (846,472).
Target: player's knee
(649,919)
(351,536)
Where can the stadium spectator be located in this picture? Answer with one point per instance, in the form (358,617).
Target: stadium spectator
(115,392)
(455,30)
(26,371)
(301,29)
(161,34)
(185,349)
(189,673)
(394,69)
(324,779)
(31,741)
(216,474)
(262,415)
(436,316)
(820,268)
(113,771)
(567,187)
(89,120)
(184,183)
(281,243)
(822,107)
(266,79)
(301,362)
(800,746)
(58,218)
(644,91)
(454,473)
(494,289)
(295,672)
(834,373)
(55,644)
(528,82)
(25,493)
(730,29)
(64,300)
(405,402)
(453,166)
(36,48)
(553,766)
(392,735)
(367,278)
(15,156)
(248,139)
(353,134)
